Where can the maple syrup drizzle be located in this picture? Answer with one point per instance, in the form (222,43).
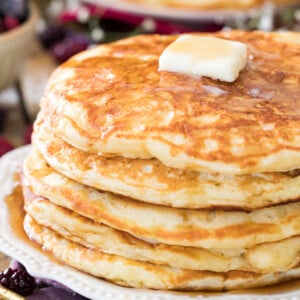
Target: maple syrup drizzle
(15,207)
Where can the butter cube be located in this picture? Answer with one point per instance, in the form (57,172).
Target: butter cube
(204,56)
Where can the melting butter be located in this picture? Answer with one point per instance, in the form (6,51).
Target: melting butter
(204,56)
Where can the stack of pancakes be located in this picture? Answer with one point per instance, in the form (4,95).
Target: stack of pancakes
(168,181)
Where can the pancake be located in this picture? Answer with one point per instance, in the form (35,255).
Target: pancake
(128,272)
(185,227)
(151,181)
(96,104)
(264,258)
(206,4)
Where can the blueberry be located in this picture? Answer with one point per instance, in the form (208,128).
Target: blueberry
(18,281)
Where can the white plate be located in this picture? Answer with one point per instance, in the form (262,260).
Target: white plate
(40,265)
(172,13)
(196,16)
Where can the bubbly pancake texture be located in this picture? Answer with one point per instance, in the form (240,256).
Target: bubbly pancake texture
(263,258)
(174,226)
(112,100)
(151,181)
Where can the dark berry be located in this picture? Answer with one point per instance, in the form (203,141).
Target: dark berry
(5,145)
(2,26)
(10,22)
(14,8)
(116,25)
(68,47)
(3,115)
(18,281)
(52,34)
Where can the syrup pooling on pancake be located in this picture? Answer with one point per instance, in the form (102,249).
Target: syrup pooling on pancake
(252,126)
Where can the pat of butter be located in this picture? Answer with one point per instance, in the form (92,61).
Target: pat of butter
(205,56)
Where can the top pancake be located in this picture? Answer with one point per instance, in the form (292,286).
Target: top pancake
(112,100)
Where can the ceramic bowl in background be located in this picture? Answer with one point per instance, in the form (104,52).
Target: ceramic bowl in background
(15,46)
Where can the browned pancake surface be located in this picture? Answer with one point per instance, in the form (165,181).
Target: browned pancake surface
(151,181)
(198,228)
(113,100)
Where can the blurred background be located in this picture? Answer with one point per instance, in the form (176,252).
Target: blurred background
(36,36)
